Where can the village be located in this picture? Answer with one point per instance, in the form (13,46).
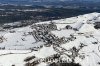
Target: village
(67,39)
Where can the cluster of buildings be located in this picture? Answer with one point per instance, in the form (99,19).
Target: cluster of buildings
(45,27)
(42,33)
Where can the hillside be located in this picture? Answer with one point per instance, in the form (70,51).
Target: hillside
(75,41)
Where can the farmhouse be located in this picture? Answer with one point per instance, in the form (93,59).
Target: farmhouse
(77,26)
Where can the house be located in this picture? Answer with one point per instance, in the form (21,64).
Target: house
(77,26)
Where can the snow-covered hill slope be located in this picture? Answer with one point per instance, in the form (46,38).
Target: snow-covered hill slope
(75,39)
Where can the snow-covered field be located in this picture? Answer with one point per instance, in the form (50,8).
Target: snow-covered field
(15,43)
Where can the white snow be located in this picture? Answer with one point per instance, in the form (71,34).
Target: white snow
(87,28)
(45,52)
(17,43)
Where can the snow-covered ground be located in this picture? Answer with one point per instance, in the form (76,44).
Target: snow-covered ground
(17,42)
